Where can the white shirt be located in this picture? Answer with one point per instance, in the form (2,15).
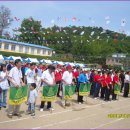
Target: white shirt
(16,76)
(32,96)
(127,78)
(48,77)
(30,76)
(67,77)
(4,83)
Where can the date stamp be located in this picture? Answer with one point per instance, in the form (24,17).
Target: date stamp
(118,115)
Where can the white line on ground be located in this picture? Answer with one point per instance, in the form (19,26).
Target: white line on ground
(51,114)
(111,122)
(79,118)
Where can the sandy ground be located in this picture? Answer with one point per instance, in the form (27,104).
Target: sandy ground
(93,114)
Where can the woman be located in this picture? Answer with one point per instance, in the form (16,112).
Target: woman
(115,82)
(4,86)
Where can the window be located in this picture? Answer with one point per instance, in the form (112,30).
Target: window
(13,48)
(38,51)
(49,52)
(26,49)
(43,51)
(6,46)
(32,50)
(20,48)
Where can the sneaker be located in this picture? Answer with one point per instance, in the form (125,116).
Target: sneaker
(41,109)
(80,103)
(95,98)
(10,115)
(33,114)
(4,106)
(18,115)
(28,112)
(51,109)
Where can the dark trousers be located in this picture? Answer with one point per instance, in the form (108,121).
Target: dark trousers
(43,104)
(113,95)
(80,98)
(59,87)
(92,88)
(103,89)
(108,93)
(97,89)
(126,90)
(122,86)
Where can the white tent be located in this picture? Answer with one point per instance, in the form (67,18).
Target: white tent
(1,57)
(14,57)
(32,60)
(48,61)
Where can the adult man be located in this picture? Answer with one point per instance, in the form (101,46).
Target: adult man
(15,77)
(67,79)
(58,78)
(122,78)
(30,74)
(127,82)
(48,79)
(39,75)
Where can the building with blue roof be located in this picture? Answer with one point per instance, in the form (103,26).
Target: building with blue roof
(26,48)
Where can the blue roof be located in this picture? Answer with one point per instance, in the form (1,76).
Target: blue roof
(26,44)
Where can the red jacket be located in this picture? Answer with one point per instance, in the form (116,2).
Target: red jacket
(115,79)
(58,76)
(96,78)
(103,81)
(109,80)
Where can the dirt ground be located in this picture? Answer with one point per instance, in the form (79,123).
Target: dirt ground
(93,114)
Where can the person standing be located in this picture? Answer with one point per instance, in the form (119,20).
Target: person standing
(122,78)
(30,75)
(48,79)
(115,82)
(109,87)
(4,86)
(67,80)
(15,78)
(58,78)
(82,80)
(127,82)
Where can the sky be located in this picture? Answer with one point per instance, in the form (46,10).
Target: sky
(87,13)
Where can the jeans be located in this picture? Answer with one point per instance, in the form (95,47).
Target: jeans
(97,90)
(3,96)
(31,107)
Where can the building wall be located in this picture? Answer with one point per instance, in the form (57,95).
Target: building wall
(113,61)
(37,51)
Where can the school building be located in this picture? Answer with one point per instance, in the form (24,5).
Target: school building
(20,47)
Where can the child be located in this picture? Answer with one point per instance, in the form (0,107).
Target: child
(32,99)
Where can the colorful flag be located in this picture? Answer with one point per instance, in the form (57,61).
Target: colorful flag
(49,93)
(84,89)
(116,89)
(69,92)
(18,95)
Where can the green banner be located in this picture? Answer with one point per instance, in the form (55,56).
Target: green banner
(18,95)
(116,89)
(49,93)
(69,92)
(84,89)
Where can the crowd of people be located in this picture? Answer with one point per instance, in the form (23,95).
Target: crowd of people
(17,74)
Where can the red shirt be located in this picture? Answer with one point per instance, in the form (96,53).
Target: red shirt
(103,81)
(115,80)
(76,74)
(58,76)
(109,80)
(96,78)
